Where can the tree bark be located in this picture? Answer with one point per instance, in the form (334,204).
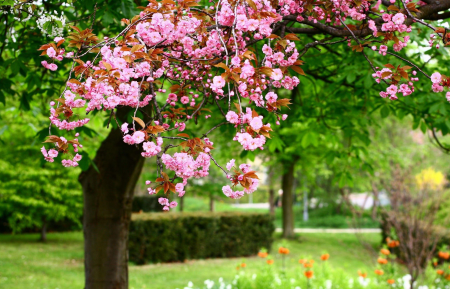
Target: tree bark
(272,201)
(181,204)
(211,202)
(43,237)
(288,200)
(108,196)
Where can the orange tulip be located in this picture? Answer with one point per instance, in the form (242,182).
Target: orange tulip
(325,257)
(392,243)
(237,267)
(379,272)
(262,254)
(243,265)
(391,281)
(385,252)
(444,255)
(309,274)
(447,277)
(362,274)
(440,272)
(283,251)
(302,261)
(308,264)
(270,261)
(382,261)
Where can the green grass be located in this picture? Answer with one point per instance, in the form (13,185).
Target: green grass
(26,263)
(319,218)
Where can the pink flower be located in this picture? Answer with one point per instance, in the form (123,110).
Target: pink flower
(163,201)
(232,117)
(52,153)
(271,97)
(256,123)
(277,74)
(51,52)
(398,18)
(447,95)
(77,157)
(236,61)
(173,204)
(230,164)
(52,67)
(138,137)
(184,100)
(386,17)
(124,127)
(219,81)
(247,70)
(436,77)
(392,89)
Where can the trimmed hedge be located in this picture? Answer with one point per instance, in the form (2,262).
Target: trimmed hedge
(169,237)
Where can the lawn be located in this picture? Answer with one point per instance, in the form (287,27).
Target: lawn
(26,263)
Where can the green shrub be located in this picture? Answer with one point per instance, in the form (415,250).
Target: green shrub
(168,237)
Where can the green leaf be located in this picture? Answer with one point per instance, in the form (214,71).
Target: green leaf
(306,141)
(6,2)
(87,131)
(2,98)
(423,127)
(351,77)
(384,111)
(368,81)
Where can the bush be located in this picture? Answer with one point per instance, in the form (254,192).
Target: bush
(146,204)
(168,237)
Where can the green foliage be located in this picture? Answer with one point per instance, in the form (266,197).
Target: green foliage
(32,195)
(162,237)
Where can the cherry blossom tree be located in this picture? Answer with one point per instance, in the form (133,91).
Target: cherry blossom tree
(177,64)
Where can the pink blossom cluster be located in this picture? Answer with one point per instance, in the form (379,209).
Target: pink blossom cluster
(206,60)
(50,155)
(167,205)
(185,166)
(235,194)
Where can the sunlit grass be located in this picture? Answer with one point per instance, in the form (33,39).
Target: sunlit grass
(26,263)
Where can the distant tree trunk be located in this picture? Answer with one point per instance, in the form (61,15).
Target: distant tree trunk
(288,200)
(271,191)
(211,202)
(43,237)
(181,204)
(272,201)
(375,201)
(108,196)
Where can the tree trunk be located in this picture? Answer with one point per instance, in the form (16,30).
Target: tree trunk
(43,237)
(271,191)
(108,195)
(272,201)
(211,202)
(181,204)
(288,200)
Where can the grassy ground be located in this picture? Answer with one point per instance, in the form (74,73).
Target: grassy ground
(319,218)
(26,263)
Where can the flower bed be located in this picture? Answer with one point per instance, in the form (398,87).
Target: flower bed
(312,274)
